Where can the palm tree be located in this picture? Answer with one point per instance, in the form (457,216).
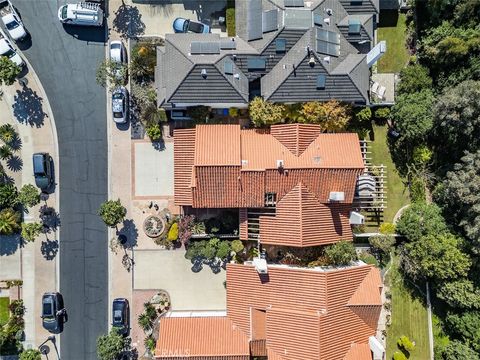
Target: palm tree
(153,115)
(5,152)
(7,133)
(9,221)
(145,322)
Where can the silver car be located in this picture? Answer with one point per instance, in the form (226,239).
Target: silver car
(120,105)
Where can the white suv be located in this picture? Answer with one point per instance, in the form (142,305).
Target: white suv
(6,49)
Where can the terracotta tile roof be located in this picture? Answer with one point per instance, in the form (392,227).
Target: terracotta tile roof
(184,152)
(358,352)
(307,312)
(295,137)
(301,220)
(217,145)
(202,338)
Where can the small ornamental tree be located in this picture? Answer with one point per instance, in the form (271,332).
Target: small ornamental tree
(154,132)
(30,354)
(111,73)
(109,347)
(341,253)
(265,113)
(382,243)
(337,116)
(112,212)
(312,112)
(8,195)
(30,231)
(29,195)
(9,221)
(8,71)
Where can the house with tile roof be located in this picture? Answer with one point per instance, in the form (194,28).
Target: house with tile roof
(285,51)
(286,314)
(292,185)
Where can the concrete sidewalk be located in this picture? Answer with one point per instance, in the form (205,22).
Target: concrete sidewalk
(27,109)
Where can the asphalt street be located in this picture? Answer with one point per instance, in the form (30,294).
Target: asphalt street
(65,60)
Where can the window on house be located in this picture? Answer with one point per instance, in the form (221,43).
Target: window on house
(270,199)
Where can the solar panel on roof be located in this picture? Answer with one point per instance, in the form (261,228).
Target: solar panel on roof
(328,42)
(256,63)
(204,47)
(297,18)
(280,45)
(270,20)
(228,67)
(254,19)
(228,45)
(293,3)
(333,37)
(318,19)
(321,82)
(353,26)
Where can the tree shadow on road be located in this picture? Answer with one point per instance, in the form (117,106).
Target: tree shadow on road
(28,108)
(9,244)
(128,22)
(49,249)
(15,163)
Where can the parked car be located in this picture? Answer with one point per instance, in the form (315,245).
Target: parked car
(83,14)
(12,21)
(6,49)
(181,25)
(43,170)
(120,105)
(54,314)
(121,316)
(118,53)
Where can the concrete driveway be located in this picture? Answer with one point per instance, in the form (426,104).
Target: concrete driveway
(169,270)
(155,17)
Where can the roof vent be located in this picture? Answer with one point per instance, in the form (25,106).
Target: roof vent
(280,164)
(336,196)
(327,21)
(234,57)
(356,218)
(236,76)
(204,73)
(311,62)
(327,59)
(329,12)
(260,265)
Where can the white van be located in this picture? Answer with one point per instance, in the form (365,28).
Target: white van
(83,13)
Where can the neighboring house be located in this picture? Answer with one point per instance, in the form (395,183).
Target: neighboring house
(285,51)
(293,186)
(288,313)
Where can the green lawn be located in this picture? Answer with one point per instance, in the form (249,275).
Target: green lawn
(397,192)
(4,312)
(392,28)
(409,317)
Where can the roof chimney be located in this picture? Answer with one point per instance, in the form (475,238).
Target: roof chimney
(311,62)
(280,164)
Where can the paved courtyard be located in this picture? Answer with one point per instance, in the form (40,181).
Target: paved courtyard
(170,271)
(153,170)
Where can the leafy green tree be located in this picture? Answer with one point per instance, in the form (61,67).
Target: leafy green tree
(264,113)
(237,246)
(9,221)
(435,257)
(110,346)
(414,78)
(8,195)
(337,116)
(30,354)
(8,71)
(466,326)
(421,219)
(30,231)
(29,195)
(341,253)
(112,212)
(382,243)
(460,294)
(111,73)
(387,228)
(459,197)
(457,121)
(364,115)
(456,350)
(144,60)
(382,113)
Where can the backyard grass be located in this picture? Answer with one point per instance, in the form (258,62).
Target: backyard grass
(393,29)
(4,312)
(409,317)
(397,192)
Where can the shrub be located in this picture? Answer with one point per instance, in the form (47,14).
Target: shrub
(237,246)
(9,221)
(382,243)
(341,253)
(364,116)
(150,343)
(110,346)
(387,228)
(404,343)
(199,113)
(417,190)
(185,226)
(154,132)
(209,251)
(233,112)
(368,258)
(31,230)
(8,71)
(382,113)
(398,355)
(422,155)
(112,212)
(223,249)
(173,232)
(30,354)
(29,195)
(8,195)
(198,228)
(195,249)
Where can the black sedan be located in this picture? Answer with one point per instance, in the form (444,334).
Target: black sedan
(121,316)
(54,314)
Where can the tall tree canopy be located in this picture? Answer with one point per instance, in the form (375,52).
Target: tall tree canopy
(421,219)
